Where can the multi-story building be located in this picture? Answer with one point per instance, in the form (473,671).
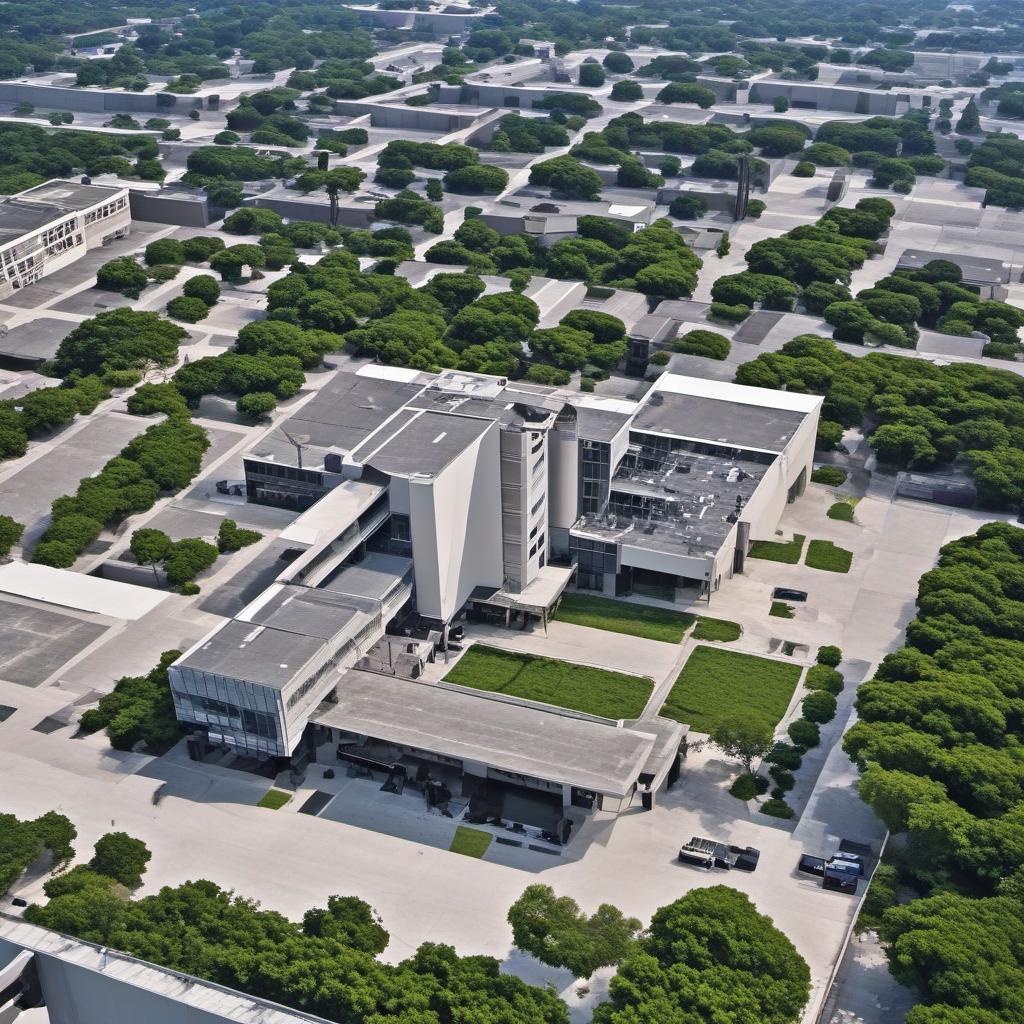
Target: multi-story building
(430,495)
(54,224)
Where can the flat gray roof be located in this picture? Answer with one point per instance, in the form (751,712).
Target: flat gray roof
(68,196)
(427,444)
(471,726)
(719,422)
(600,424)
(344,413)
(19,218)
(257,654)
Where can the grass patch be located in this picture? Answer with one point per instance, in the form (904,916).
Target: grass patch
(470,842)
(823,554)
(716,685)
(779,551)
(623,617)
(595,691)
(720,630)
(833,476)
(841,510)
(781,610)
(274,799)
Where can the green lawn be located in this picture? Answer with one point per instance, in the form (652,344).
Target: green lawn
(274,799)
(594,691)
(823,554)
(720,630)
(470,842)
(781,610)
(716,684)
(624,617)
(779,551)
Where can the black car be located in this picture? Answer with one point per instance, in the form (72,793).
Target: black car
(19,902)
(811,865)
(785,594)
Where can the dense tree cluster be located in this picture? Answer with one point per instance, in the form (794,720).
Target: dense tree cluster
(165,457)
(138,709)
(922,415)
(997,165)
(118,339)
(44,409)
(30,155)
(22,842)
(938,742)
(518,134)
(708,957)
(327,965)
(558,933)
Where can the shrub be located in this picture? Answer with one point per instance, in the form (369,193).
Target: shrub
(729,313)
(829,655)
(10,534)
(187,559)
(163,272)
(121,378)
(200,248)
(231,537)
(842,511)
(190,310)
(776,808)
(688,207)
(256,404)
(204,287)
(804,169)
(755,208)
(784,780)
(821,677)
(189,589)
(781,610)
(744,788)
(660,358)
(804,733)
(784,756)
(819,706)
(122,275)
(761,784)
(832,476)
(164,250)
(703,343)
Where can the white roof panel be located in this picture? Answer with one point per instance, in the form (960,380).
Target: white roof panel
(76,590)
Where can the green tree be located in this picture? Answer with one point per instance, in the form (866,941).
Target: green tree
(122,275)
(10,534)
(694,964)
(969,122)
(568,176)
(121,857)
(150,547)
(742,738)
(554,930)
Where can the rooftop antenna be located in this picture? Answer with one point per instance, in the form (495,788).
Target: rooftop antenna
(299,446)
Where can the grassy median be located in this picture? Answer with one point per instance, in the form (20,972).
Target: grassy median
(716,684)
(595,691)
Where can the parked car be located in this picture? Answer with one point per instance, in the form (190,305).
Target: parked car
(17,901)
(705,853)
(785,594)
(708,854)
(746,857)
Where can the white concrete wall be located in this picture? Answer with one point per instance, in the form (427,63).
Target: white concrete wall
(456,529)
